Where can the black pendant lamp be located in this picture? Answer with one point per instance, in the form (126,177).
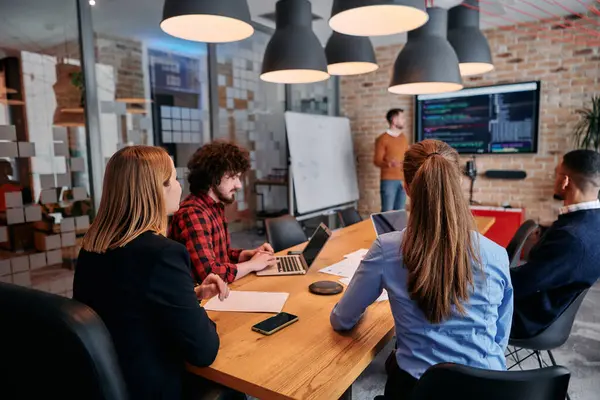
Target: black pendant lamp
(470,44)
(212,21)
(377,17)
(294,54)
(350,55)
(427,63)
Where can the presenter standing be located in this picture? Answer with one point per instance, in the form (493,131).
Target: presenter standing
(390,147)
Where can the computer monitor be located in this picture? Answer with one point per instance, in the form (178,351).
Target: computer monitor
(390,221)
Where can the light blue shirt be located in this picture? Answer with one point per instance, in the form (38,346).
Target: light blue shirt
(477,339)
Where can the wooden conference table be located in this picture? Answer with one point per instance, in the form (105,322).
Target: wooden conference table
(306,360)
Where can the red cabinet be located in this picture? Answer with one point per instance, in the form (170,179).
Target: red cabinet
(508,221)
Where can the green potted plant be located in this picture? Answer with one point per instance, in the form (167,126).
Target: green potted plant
(77,81)
(587,130)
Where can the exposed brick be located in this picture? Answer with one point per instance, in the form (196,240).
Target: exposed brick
(569,78)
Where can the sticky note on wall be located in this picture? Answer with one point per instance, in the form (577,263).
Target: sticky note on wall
(68,239)
(13,199)
(37,260)
(79,193)
(54,257)
(47,181)
(77,164)
(33,213)
(8,149)
(67,225)
(8,132)
(26,149)
(15,216)
(82,222)
(49,196)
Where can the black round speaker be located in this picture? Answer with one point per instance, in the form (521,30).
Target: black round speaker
(325,288)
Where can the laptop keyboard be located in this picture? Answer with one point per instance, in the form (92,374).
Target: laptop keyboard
(289,264)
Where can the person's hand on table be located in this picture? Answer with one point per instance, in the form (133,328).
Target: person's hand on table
(247,255)
(262,260)
(212,286)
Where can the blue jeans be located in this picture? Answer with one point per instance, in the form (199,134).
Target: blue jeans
(392,195)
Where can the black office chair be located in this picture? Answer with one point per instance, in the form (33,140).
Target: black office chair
(453,381)
(516,244)
(284,232)
(467,383)
(55,347)
(349,216)
(549,339)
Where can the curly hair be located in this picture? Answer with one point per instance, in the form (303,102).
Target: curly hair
(211,162)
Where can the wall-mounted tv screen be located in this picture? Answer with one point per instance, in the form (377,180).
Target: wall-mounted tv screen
(482,120)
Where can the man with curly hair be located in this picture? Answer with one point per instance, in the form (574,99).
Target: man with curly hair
(215,173)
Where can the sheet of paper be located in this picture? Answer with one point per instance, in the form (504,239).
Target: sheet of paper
(345,268)
(384,295)
(361,253)
(238,301)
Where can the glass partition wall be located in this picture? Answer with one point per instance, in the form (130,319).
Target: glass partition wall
(78,82)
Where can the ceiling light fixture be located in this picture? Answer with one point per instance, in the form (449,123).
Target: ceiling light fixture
(92,2)
(427,63)
(294,54)
(211,21)
(471,46)
(377,17)
(350,55)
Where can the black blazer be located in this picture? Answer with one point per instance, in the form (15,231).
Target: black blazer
(144,293)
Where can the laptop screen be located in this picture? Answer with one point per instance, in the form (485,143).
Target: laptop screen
(316,244)
(390,221)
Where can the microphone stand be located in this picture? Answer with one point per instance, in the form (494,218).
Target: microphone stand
(471,172)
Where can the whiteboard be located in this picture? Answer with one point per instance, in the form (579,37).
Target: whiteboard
(322,160)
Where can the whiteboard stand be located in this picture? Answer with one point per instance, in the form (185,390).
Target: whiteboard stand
(322,177)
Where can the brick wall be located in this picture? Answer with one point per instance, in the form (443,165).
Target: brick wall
(569,69)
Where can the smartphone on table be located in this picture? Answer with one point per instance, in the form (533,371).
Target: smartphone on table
(271,325)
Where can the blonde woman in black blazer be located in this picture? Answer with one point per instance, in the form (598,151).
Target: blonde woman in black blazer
(140,283)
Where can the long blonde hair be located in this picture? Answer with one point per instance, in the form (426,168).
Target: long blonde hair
(132,198)
(438,248)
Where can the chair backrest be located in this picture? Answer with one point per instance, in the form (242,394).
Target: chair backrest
(515,246)
(557,333)
(58,346)
(284,232)
(349,216)
(468,383)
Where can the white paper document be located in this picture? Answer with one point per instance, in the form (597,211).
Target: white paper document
(345,268)
(361,253)
(384,294)
(249,302)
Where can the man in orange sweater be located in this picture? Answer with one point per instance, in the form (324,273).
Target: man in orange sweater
(389,155)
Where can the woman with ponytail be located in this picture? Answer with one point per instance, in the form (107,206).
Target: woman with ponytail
(449,287)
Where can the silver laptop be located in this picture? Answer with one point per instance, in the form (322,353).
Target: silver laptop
(299,264)
(389,221)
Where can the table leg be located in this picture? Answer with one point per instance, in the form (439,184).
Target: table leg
(347,394)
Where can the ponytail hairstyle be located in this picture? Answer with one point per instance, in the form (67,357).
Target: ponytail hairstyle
(438,247)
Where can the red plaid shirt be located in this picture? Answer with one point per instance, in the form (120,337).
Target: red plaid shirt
(201,226)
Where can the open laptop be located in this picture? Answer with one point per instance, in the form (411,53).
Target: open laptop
(299,264)
(389,221)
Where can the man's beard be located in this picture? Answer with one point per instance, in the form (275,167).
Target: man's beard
(223,197)
(558,197)
(399,127)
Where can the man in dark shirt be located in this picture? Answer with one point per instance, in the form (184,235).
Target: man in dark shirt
(566,260)
(215,172)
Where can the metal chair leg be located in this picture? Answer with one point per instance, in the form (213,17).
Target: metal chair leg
(552,358)
(537,353)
